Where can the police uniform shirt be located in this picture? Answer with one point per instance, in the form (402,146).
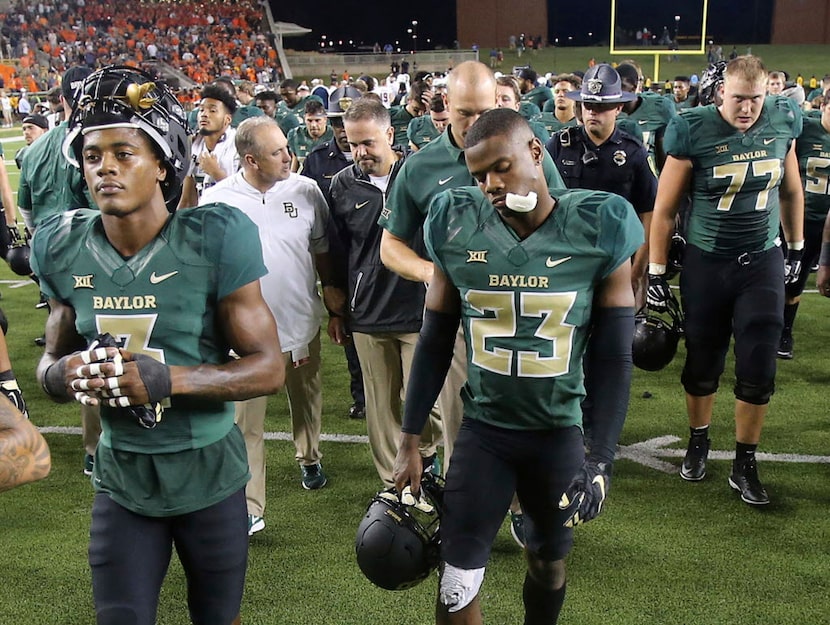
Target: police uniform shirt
(619,165)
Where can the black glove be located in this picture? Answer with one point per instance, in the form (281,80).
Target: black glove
(14,235)
(11,390)
(586,493)
(658,293)
(792,266)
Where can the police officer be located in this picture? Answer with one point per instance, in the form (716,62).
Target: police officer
(597,155)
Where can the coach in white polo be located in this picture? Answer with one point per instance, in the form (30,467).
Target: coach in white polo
(291,214)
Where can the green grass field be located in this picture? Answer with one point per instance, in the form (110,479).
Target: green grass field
(663,552)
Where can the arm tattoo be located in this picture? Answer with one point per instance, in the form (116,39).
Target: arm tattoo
(24,455)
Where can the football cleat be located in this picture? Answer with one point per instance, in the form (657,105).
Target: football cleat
(693,468)
(398,542)
(785,347)
(744,479)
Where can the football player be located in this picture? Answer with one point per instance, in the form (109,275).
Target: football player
(738,162)
(650,112)
(811,148)
(179,291)
(527,275)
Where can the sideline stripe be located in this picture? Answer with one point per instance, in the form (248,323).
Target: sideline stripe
(270,436)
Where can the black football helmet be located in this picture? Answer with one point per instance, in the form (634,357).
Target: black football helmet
(18,253)
(397,545)
(655,339)
(124,97)
(710,80)
(677,248)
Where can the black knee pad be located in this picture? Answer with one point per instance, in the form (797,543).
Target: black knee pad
(545,573)
(757,394)
(120,615)
(698,388)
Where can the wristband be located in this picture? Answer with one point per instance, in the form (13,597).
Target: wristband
(155,375)
(54,379)
(6,376)
(824,257)
(795,245)
(656,269)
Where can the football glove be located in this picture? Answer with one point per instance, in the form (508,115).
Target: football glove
(586,493)
(148,415)
(792,266)
(11,390)
(658,293)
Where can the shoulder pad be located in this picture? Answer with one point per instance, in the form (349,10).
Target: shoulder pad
(59,239)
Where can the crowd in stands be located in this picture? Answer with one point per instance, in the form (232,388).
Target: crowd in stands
(202,39)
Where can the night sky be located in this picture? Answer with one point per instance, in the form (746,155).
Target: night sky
(730,21)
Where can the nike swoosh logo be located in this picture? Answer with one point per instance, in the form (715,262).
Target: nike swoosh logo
(553,263)
(445,180)
(361,205)
(154,279)
(642,121)
(768,141)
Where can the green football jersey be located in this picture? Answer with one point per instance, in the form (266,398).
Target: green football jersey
(651,117)
(529,110)
(736,175)
(49,185)
(161,302)
(301,143)
(439,166)
(400,118)
(243,112)
(552,124)
(538,96)
(421,131)
(526,304)
(813,151)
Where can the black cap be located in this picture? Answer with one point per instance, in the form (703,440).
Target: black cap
(37,120)
(72,80)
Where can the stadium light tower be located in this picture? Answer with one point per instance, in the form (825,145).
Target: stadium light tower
(676,27)
(414,35)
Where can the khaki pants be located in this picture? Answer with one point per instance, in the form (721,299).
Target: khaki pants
(386,359)
(305,404)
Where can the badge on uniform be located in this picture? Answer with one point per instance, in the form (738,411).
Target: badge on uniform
(619,157)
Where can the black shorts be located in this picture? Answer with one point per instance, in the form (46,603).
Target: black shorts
(488,465)
(129,555)
(726,295)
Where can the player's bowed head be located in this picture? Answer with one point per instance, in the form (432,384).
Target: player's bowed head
(505,157)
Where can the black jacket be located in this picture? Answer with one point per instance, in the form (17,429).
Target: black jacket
(323,162)
(379,300)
